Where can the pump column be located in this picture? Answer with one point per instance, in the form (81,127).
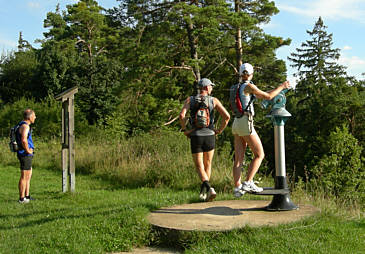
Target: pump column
(280,202)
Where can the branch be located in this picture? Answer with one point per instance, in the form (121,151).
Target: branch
(184,67)
(234,68)
(173,120)
(221,63)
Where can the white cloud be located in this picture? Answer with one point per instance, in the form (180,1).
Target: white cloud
(355,65)
(34,5)
(353,61)
(328,9)
(347,47)
(7,44)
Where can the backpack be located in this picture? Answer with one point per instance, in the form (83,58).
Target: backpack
(13,144)
(236,103)
(200,108)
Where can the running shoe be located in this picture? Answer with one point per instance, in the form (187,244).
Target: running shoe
(238,192)
(24,201)
(203,193)
(251,187)
(211,194)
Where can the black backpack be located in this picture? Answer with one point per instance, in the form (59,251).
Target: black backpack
(13,144)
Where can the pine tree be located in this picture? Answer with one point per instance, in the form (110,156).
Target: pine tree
(316,61)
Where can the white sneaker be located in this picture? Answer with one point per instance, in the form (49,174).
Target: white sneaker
(211,194)
(203,196)
(251,187)
(238,192)
(24,201)
(203,193)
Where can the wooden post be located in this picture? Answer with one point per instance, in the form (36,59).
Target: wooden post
(68,139)
(71,142)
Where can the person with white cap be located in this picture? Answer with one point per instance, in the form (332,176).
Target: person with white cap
(202,134)
(241,98)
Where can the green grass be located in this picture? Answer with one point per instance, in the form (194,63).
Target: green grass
(101,217)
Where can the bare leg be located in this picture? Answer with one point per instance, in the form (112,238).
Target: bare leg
(28,176)
(22,183)
(199,165)
(255,145)
(207,160)
(239,154)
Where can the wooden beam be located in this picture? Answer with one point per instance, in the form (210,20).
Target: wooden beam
(67,94)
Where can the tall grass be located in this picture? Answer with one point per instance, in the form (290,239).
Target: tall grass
(159,159)
(156,159)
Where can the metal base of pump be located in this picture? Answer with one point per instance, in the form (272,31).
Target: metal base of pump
(281,203)
(272,191)
(281,200)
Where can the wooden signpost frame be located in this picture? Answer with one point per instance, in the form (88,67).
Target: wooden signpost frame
(68,139)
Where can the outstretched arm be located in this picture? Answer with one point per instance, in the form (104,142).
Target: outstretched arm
(270,94)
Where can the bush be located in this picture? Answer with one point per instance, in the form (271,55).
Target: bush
(341,171)
(49,119)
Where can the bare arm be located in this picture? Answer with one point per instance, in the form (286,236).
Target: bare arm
(24,131)
(270,94)
(224,114)
(184,110)
(182,117)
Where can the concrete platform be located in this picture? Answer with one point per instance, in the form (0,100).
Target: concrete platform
(225,215)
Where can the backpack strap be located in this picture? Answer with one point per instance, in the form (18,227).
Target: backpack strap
(192,102)
(252,99)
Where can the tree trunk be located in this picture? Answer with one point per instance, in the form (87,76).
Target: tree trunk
(238,39)
(193,51)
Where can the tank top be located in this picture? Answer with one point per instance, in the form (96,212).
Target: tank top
(208,131)
(245,99)
(22,152)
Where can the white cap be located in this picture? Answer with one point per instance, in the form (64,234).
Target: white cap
(205,82)
(246,68)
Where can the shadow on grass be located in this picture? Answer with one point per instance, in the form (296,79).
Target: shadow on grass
(61,214)
(216,210)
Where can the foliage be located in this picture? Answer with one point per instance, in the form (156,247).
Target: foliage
(341,171)
(17,76)
(135,64)
(48,122)
(325,99)
(316,61)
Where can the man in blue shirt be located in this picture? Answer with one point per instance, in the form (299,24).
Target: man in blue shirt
(25,154)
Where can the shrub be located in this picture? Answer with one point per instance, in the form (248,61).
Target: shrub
(48,122)
(341,171)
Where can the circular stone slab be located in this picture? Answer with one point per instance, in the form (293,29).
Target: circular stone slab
(225,215)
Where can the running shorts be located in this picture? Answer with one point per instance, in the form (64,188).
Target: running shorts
(25,162)
(241,126)
(200,144)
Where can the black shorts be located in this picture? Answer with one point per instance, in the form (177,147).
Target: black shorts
(25,162)
(200,144)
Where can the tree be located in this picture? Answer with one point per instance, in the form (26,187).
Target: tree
(325,98)
(18,74)
(316,61)
(76,52)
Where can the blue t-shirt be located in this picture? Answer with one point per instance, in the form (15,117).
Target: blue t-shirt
(22,152)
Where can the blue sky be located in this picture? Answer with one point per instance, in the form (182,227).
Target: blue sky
(344,19)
